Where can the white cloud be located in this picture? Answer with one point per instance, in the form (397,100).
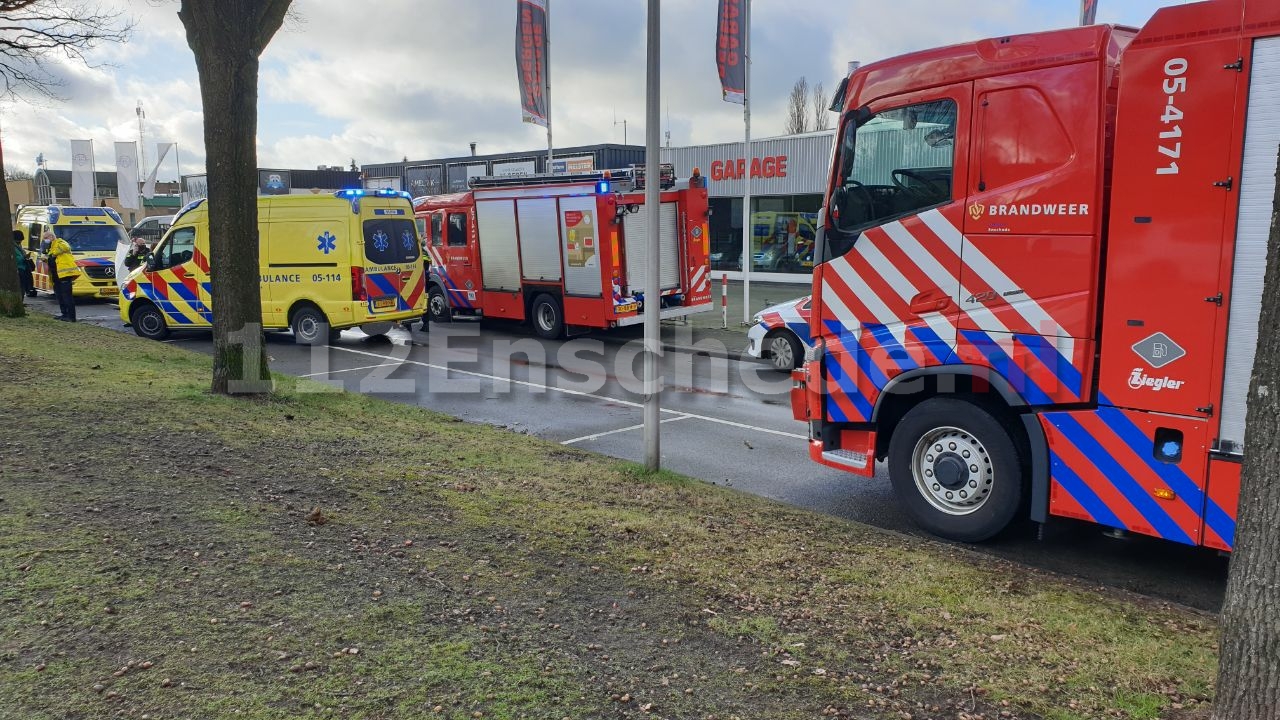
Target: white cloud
(379,81)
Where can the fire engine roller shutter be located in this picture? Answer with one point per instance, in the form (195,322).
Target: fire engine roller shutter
(635,229)
(539,238)
(499,255)
(1257,190)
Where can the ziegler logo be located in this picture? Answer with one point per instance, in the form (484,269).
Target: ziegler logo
(1139,379)
(977,210)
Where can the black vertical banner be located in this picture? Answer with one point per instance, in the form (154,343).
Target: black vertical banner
(729,45)
(531,59)
(1088,11)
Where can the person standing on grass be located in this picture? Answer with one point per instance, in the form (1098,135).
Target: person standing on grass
(25,266)
(63,272)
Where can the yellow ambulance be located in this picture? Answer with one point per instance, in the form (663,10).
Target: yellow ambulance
(350,259)
(94,234)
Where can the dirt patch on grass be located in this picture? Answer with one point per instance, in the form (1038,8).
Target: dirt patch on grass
(328,555)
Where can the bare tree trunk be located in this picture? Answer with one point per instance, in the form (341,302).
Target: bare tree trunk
(10,288)
(820,116)
(1249,663)
(227,37)
(798,108)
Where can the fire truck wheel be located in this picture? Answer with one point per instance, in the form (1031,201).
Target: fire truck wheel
(310,326)
(955,469)
(548,321)
(437,306)
(148,322)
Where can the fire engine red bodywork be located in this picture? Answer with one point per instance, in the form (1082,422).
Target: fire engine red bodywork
(1065,245)
(458,268)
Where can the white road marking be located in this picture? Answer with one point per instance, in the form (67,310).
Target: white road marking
(579,393)
(629,428)
(363,367)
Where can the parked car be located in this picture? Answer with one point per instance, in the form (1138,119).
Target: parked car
(151,228)
(780,333)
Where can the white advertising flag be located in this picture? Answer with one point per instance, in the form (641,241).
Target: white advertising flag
(149,186)
(127,175)
(83,187)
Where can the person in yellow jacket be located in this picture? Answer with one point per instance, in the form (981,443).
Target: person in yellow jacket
(63,272)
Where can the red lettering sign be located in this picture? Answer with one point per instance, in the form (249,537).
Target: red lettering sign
(771,166)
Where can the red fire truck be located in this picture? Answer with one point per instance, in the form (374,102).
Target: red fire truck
(1040,274)
(566,252)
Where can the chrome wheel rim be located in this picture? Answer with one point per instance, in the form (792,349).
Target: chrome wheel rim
(437,305)
(546,317)
(952,471)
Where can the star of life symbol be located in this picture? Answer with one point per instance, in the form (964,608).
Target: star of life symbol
(326,242)
(406,237)
(381,241)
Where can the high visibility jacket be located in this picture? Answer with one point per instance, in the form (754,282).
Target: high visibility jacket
(63,260)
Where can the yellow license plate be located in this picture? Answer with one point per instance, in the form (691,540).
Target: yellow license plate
(629,307)
(384,303)
(108,292)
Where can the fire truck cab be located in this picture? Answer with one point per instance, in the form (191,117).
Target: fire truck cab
(564,252)
(1040,272)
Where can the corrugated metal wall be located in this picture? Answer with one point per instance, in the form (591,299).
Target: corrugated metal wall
(808,162)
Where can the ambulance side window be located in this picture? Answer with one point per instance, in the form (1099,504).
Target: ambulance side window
(33,236)
(437,236)
(177,249)
(457,229)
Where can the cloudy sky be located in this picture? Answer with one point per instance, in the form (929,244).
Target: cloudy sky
(381,80)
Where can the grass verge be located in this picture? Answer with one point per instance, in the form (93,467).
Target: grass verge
(157,559)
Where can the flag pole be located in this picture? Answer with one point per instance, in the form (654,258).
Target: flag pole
(547,42)
(746,154)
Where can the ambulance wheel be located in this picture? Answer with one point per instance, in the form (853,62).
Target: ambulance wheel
(148,322)
(548,321)
(956,470)
(437,306)
(310,326)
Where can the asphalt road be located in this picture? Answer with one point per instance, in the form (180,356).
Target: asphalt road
(725,421)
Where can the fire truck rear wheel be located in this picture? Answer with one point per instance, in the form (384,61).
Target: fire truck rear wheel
(548,321)
(437,305)
(956,470)
(148,322)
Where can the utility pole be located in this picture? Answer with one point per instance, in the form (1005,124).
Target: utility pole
(747,227)
(653,286)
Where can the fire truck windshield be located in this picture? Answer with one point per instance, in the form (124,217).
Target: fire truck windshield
(891,164)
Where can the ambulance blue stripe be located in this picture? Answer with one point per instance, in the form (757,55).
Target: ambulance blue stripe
(1178,481)
(1115,474)
(383,284)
